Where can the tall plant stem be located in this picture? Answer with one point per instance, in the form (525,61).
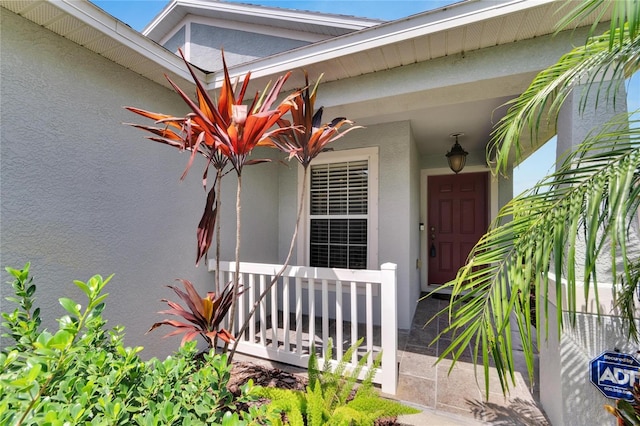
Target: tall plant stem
(218,287)
(284,266)
(218,204)
(236,280)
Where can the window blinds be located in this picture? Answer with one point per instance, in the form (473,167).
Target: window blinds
(338,215)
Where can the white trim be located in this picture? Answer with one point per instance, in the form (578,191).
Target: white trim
(263,12)
(256,29)
(493,207)
(383,34)
(111,27)
(174,31)
(461,14)
(371,155)
(187,40)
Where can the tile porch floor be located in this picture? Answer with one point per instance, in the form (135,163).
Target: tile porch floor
(423,383)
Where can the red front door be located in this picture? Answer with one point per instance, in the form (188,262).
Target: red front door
(457,219)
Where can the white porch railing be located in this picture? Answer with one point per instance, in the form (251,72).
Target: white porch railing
(307,306)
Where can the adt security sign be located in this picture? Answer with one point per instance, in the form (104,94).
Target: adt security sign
(614,374)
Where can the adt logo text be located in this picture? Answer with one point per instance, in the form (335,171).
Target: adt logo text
(614,374)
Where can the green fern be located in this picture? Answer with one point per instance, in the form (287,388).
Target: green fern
(385,407)
(327,400)
(366,387)
(346,415)
(287,401)
(316,411)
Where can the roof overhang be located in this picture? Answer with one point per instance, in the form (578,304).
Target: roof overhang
(462,27)
(89,26)
(384,57)
(328,25)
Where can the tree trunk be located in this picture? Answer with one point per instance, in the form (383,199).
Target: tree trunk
(236,283)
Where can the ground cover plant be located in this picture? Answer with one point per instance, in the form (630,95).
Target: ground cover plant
(83,373)
(332,397)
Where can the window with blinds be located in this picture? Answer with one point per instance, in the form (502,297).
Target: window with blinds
(339,195)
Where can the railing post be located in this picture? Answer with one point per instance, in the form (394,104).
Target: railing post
(389,317)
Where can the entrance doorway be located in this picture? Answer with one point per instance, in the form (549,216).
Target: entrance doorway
(457,218)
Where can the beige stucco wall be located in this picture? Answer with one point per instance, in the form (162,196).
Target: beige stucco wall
(83,194)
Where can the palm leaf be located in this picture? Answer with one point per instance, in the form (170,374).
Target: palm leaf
(591,199)
(623,13)
(597,66)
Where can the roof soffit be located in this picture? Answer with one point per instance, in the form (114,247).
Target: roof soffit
(448,33)
(462,27)
(89,26)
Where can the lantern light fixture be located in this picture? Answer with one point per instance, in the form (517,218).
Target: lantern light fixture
(457,157)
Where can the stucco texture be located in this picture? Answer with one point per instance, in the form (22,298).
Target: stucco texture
(239,46)
(83,194)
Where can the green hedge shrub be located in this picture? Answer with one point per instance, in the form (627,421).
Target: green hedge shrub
(83,374)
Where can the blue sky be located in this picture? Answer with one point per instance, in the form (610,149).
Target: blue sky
(138,13)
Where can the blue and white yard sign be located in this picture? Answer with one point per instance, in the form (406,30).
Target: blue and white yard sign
(614,374)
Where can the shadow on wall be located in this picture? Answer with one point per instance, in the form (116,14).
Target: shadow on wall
(518,412)
(590,337)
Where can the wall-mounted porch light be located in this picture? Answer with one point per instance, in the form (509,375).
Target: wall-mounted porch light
(457,156)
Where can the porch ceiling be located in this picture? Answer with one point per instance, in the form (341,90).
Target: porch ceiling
(432,126)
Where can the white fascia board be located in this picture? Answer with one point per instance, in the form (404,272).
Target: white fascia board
(254,28)
(267,13)
(184,22)
(184,7)
(168,9)
(119,31)
(458,15)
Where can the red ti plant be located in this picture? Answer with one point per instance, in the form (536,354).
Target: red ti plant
(203,315)
(307,136)
(228,127)
(303,139)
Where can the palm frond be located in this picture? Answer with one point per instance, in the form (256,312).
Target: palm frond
(623,13)
(594,66)
(591,199)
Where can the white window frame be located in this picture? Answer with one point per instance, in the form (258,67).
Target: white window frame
(359,154)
